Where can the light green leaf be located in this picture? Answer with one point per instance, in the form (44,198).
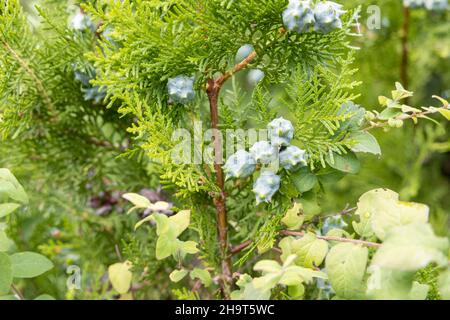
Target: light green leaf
(408,109)
(364,226)
(296,292)
(11,187)
(365,142)
(180,221)
(141,222)
(267,282)
(444,102)
(384,210)
(165,246)
(288,274)
(310,205)
(385,284)
(346,266)
(247,291)
(383,101)
(346,162)
(445,113)
(6,276)
(285,245)
(168,229)
(189,247)
(310,251)
(330,176)
(308,275)
(162,224)
(410,248)
(400,92)
(121,276)
(389,113)
(5,243)
(444,285)
(252,293)
(294,217)
(203,275)
(29,264)
(8,208)
(291,278)
(8,297)
(6,188)
(138,200)
(178,275)
(267,266)
(304,180)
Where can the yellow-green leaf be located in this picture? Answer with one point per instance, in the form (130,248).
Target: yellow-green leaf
(138,200)
(8,208)
(178,275)
(29,264)
(141,222)
(6,276)
(121,276)
(294,217)
(445,113)
(203,275)
(384,211)
(180,221)
(310,251)
(411,247)
(11,187)
(189,247)
(346,267)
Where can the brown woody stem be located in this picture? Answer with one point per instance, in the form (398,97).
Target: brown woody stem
(213,91)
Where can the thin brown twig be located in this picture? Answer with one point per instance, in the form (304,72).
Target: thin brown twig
(331,238)
(247,243)
(240,66)
(213,91)
(240,247)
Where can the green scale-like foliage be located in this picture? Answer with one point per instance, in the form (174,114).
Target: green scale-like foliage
(45,116)
(153,41)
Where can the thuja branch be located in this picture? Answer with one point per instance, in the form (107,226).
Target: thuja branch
(26,67)
(213,91)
